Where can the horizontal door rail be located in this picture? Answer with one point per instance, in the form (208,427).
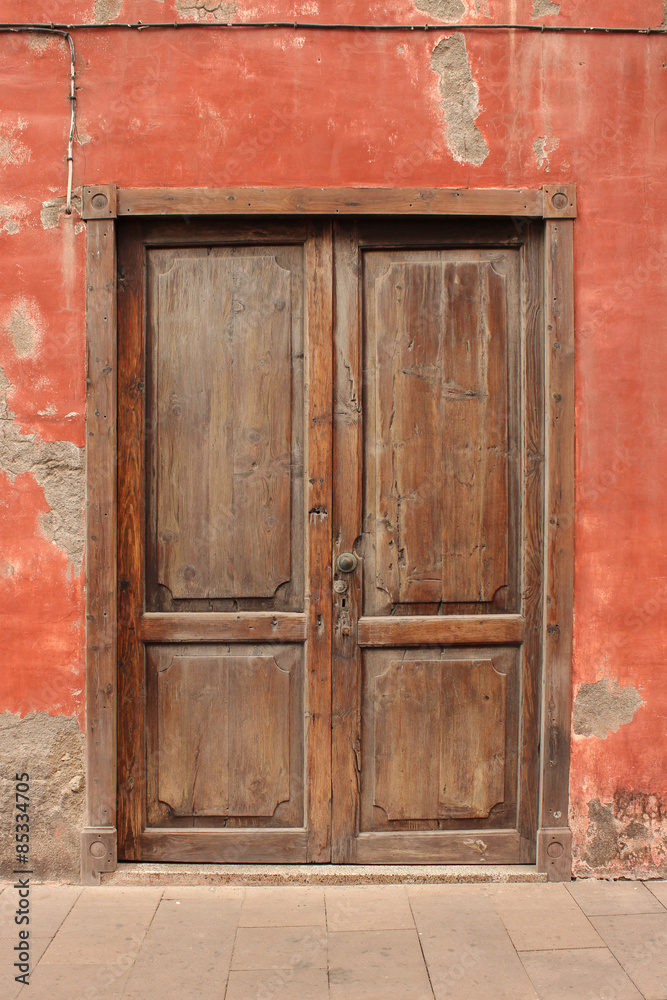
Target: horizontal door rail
(221,627)
(441,630)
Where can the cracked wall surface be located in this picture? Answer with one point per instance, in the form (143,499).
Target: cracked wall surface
(51,750)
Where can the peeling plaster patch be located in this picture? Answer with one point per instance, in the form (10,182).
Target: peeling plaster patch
(602,708)
(543,147)
(460,100)
(51,749)
(22,332)
(203,10)
(627,834)
(12,151)
(39,41)
(58,467)
(54,208)
(544,8)
(11,217)
(106,10)
(445,10)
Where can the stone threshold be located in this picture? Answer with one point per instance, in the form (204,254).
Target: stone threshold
(242,875)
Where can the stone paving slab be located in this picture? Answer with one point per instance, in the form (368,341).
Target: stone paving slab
(639,942)
(588,940)
(468,952)
(297,984)
(103,929)
(377,965)
(659,890)
(273,907)
(599,898)
(368,907)
(279,948)
(578,974)
(201,933)
(543,917)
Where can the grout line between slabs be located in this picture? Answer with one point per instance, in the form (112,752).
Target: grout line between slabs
(421,946)
(57,931)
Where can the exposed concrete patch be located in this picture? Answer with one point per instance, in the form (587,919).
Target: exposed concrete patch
(602,708)
(51,750)
(22,332)
(10,218)
(106,10)
(626,836)
(543,147)
(460,100)
(544,8)
(203,10)
(12,150)
(40,41)
(54,208)
(445,10)
(58,467)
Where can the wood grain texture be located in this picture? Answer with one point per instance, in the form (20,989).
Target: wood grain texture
(347,596)
(441,630)
(225,846)
(473,714)
(319,340)
(439,739)
(131,541)
(329,201)
(223,417)
(532,320)
(220,627)
(437,848)
(101,509)
(560,521)
(223,735)
(441,328)
(248,403)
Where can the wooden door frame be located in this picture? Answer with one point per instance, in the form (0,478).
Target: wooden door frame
(103,204)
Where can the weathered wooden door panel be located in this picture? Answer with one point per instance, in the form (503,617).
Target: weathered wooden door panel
(438,490)
(224,613)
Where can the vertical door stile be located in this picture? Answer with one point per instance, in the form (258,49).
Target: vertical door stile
(348,473)
(319,292)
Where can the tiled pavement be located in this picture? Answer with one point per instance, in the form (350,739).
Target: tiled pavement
(583,941)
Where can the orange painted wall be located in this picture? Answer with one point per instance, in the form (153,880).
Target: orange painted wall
(197,107)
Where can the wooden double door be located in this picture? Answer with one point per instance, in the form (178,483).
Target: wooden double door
(330,496)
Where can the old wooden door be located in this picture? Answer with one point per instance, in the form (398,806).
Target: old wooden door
(245,473)
(438,468)
(225,541)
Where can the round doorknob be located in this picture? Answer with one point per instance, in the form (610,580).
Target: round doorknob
(347,562)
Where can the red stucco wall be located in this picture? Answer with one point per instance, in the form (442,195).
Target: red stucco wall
(193,107)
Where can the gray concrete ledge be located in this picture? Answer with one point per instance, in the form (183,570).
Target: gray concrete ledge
(181,874)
